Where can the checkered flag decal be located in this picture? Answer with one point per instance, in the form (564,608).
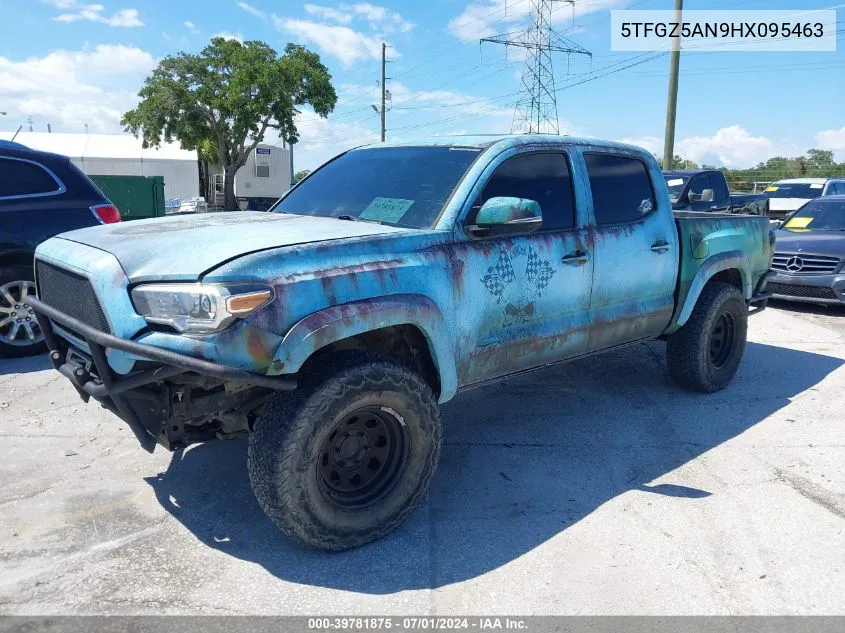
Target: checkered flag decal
(499,276)
(539,272)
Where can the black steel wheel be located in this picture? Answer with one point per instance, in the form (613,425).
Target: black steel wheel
(705,353)
(348,456)
(722,339)
(363,457)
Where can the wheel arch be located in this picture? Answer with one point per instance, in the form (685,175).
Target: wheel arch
(730,267)
(375,323)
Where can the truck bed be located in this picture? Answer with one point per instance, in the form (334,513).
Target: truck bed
(745,239)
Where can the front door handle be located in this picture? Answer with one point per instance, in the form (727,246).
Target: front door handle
(578,258)
(660,247)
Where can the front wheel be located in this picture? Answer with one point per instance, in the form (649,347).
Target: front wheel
(705,353)
(346,461)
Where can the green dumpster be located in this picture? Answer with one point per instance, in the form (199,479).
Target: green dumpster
(137,197)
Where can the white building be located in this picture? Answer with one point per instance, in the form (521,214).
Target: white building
(121,155)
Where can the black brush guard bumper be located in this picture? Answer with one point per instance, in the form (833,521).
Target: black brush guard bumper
(120,393)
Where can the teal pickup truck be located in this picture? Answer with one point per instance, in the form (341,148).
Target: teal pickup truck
(330,328)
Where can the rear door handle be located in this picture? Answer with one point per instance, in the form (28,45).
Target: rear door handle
(661,247)
(577,258)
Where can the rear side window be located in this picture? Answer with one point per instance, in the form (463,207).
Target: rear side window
(23,178)
(621,188)
(720,188)
(544,178)
(699,184)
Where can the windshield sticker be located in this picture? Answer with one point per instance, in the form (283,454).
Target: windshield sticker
(816,186)
(675,182)
(772,189)
(386,209)
(798,223)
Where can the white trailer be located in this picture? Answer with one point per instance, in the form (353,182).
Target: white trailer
(122,155)
(262,180)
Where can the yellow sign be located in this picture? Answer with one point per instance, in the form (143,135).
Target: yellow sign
(771,189)
(798,223)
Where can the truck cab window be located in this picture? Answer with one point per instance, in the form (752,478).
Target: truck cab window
(22,178)
(699,185)
(621,188)
(542,177)
(720,190)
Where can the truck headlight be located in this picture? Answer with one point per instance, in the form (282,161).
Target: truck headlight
(199,308)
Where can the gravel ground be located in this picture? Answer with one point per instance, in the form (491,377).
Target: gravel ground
(596,487)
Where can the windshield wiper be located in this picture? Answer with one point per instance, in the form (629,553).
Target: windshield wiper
(352,218)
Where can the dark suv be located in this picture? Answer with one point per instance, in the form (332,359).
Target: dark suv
(41,194)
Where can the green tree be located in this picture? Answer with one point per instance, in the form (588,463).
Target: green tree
(227,97)
(820,159)
(679,163)
(302,173)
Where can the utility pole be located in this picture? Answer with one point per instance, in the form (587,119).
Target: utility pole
(672,105)
(383,87)
(385,93)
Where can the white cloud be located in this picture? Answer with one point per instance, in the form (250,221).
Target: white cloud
(731,146)
(341,42)
(226,35)
(78,11)
(191,27)
(327,13)
(486,18)
(832,140)
(71,88)
(652,143)
(380,18)
(321,139)
(251,9)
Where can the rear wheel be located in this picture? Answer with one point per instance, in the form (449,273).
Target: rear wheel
(346,460)
(705,353)
(20,334)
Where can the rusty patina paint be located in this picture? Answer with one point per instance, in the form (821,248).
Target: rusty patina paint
(486,307)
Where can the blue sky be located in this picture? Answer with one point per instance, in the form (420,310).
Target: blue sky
(76,62)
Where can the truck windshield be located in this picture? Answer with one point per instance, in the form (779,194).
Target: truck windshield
(793,190)
(676,184)
(400,186)
(819,215)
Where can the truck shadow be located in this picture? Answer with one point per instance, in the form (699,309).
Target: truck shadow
(523,461)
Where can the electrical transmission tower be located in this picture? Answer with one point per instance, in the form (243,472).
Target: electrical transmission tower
(536,106)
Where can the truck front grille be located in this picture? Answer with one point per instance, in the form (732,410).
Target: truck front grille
(805,292)
(801,264)
(70,293)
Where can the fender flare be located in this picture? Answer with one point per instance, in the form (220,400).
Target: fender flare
(712,265)
(349,319)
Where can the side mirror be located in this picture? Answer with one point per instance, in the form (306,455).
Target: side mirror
(707,195)
(507,216)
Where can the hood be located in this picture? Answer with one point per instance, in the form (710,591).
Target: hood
(828,243)
(787,204)
(184,247)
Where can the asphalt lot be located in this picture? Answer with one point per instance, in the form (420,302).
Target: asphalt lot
(596,487)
